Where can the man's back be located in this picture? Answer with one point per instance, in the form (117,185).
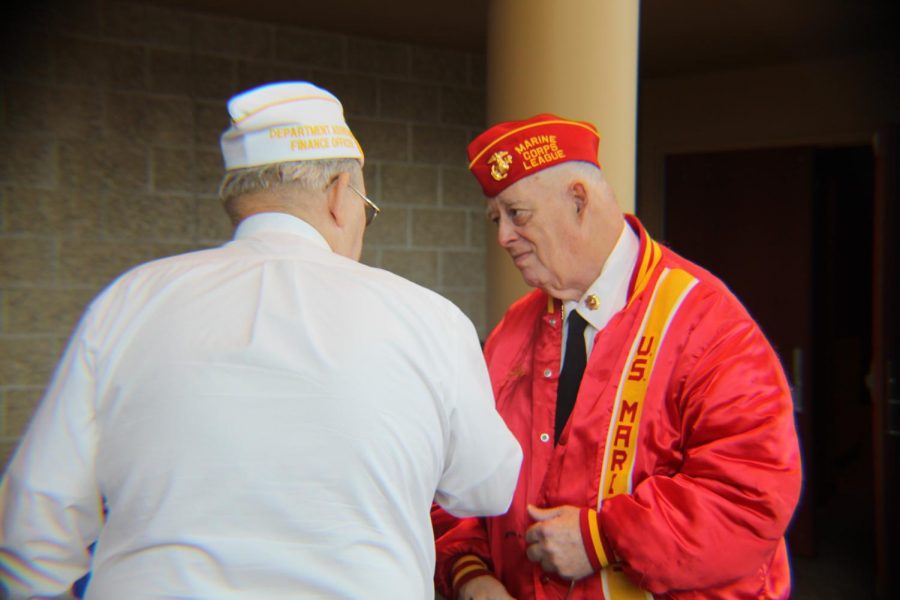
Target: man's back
(272,418)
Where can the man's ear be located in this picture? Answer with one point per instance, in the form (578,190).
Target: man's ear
(335,194)
(578,194)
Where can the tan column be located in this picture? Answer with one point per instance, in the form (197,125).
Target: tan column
(576,59)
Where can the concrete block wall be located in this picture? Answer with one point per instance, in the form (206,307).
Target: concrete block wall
(110,114)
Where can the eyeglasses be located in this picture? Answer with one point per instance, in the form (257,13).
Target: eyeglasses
(372,209)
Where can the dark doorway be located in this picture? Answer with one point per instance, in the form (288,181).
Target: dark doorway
(885,351)
(790,231)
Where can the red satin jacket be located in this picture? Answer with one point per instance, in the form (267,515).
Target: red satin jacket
(712,476)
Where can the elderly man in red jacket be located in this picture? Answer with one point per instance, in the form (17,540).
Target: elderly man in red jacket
(661,457)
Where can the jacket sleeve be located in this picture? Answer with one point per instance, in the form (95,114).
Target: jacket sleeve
(462,551)
(721,516)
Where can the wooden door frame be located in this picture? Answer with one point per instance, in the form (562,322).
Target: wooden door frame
(883,375)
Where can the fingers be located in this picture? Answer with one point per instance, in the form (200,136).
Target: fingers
(537,553)
(554,541)
(534,534)
(534,553)
(543,514)
(484,587)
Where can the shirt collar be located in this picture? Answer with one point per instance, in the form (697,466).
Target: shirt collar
(259,223)
(611,287)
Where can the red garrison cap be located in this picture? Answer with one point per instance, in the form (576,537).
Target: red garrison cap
(509,151)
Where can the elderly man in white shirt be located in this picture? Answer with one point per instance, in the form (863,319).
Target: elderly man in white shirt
(266,419)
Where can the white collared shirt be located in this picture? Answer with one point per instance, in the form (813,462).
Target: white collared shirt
(269,223)
(611,288)
(266,419)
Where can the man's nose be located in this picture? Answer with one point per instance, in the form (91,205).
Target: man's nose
(506,233)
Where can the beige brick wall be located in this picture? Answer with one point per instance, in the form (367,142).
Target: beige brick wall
(110,114)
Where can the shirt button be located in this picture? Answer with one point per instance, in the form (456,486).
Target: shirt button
(548,373)
(545,437)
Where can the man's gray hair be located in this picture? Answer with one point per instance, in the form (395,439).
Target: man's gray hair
(587,170)
(309,175)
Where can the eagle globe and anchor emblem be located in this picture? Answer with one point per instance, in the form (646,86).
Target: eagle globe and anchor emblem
(500,162)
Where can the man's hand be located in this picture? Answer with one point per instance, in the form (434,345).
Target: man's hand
(555,541)
(484,587)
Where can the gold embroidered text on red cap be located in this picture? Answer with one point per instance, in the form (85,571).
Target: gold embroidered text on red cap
(509,151)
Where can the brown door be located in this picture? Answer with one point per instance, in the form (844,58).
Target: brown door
(746,217)
(884,385)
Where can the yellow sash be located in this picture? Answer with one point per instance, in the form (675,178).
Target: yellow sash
(621,440)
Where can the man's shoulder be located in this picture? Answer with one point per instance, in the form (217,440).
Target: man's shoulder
(527,307)
(397,289)
(183,260)
(711,295)
(519,321)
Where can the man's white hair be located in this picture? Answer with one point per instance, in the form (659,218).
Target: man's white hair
(309,175)
(587,170)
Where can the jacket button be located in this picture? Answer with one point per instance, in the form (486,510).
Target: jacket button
(553,322)
(545,579)
(548,373)
(545,437)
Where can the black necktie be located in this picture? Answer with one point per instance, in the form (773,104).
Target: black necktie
(573,368)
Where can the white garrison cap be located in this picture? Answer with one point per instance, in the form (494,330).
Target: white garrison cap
(286,122)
